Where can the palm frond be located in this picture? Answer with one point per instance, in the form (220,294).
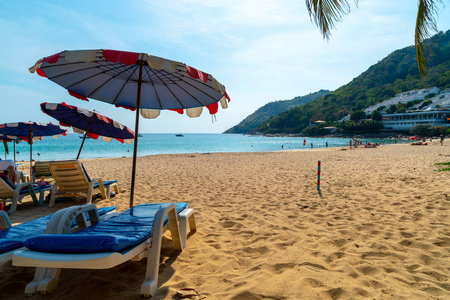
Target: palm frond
(425,27)
(326,12)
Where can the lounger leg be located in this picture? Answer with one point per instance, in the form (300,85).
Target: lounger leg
(108,192)
(150,285)
(186,219)
(89,196)
(41,197)
(13,205)
(102,189)
(45,281)
(51,203)
(50,282)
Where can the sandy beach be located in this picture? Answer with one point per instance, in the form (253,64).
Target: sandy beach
(379,229)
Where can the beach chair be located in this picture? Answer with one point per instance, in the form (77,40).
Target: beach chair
(15,193)
(21,176)
(12,238)
(72,180)
(131,235)
(40,169)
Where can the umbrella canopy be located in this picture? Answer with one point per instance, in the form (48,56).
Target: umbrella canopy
(91,123)
(137,81)
(17,140)
(30,131)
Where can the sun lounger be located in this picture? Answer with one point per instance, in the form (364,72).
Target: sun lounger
(40,169)
(103,246)
(15,193)
(21,177)
(12,238)
(72,180)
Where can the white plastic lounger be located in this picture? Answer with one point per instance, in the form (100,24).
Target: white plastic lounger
(102,246)
(12,238)
(15,193)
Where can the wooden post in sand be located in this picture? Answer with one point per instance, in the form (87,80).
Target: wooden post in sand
(318,176)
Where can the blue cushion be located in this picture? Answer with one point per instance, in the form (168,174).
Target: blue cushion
(13,238)
(25,190)
(117,233)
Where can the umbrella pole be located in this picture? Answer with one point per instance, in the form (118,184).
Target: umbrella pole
(136,134)
(14,143)
(85,133)
(30,141)
(31,156)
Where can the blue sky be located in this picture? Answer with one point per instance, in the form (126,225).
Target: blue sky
(261,50)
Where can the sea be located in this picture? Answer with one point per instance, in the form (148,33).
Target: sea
(66,147)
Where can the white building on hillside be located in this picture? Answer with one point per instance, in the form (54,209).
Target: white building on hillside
(406,121)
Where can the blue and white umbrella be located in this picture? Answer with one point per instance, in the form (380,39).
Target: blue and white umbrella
(30,131)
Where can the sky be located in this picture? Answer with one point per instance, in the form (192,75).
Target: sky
(261,50)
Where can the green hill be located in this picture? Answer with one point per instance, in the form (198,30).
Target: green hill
(394,74)
(272,109)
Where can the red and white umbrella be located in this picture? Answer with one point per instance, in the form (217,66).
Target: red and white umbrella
(88,122)
(136,81)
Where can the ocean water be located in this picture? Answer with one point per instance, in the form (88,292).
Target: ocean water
(66,147)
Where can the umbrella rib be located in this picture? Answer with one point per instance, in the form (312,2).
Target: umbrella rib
(123,86)
(147,71)
(201,82)
(94,75)
(187,92)
(84,69)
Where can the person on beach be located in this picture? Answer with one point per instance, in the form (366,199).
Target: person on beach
(10,173)
(442,139)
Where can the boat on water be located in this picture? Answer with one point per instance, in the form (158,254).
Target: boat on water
(140,135)
(179,135)
(82,136)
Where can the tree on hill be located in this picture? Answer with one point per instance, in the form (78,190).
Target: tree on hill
(271,109)
(326,12)
(376,84)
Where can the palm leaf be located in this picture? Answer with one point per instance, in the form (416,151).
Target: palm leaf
(425,27)
(326,12)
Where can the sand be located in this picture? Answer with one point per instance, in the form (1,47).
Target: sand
(379,229)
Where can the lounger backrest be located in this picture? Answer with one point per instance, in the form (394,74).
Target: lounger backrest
(6,188)
(41,169)
(69,176)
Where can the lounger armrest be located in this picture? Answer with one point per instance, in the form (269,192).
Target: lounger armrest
(62,220)
(23,185)
(4,220)
(20,186)
(100,186)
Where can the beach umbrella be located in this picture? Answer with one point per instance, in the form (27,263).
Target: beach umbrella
(88,122)
(5,139)
(30,131)
(136,81)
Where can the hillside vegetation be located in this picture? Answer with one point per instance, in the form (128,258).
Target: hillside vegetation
(394,74)
(272,109)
